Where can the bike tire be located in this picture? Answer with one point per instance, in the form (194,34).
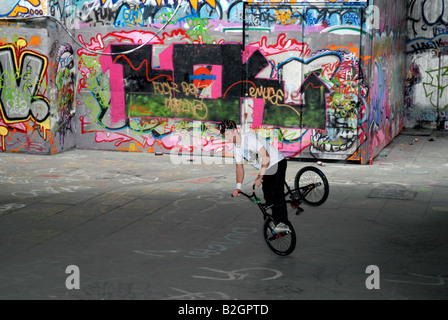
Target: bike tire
(281,245)
(308,176)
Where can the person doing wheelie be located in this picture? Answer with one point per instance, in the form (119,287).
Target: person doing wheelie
(271,164)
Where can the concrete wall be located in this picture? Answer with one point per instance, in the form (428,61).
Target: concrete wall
(320,79)
(427,79)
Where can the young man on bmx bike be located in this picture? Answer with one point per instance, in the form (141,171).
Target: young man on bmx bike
(271,164)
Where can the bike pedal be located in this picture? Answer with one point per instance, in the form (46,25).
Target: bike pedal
(299,211)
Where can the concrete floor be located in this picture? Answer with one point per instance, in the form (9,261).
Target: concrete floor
(137,226)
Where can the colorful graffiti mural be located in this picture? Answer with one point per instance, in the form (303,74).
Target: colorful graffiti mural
(153,75)
(214,81)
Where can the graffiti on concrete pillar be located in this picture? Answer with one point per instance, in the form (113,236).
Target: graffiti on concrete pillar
(21,102)
(65,91)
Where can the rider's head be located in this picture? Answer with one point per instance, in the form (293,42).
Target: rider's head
(227,129)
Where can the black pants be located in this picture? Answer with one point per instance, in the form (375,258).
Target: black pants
(274,191)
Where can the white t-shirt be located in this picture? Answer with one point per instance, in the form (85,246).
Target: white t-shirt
(251,143)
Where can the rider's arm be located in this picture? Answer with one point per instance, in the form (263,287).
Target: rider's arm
(265,160)
(239,173)
(239,179)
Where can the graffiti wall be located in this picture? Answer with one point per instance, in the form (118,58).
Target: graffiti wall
(319,79)
(385,112)
(36,87)
(427,74)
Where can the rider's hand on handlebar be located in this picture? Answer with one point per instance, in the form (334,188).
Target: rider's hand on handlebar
(236,193)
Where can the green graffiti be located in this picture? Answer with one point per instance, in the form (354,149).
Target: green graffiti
(435,89)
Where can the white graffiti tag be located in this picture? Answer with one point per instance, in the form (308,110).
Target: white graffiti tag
(240,274)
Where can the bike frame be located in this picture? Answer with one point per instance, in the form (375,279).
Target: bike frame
(257,201)
(293,195)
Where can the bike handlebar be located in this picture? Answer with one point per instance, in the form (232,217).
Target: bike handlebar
(254,196)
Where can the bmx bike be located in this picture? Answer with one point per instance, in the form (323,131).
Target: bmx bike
(310,187)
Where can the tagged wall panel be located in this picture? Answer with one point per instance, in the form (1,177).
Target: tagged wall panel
(320,79)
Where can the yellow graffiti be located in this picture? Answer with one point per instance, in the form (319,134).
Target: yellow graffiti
(17,11)
(285,16)
(21,43)
(268,94)
(3,133)
(196,107)
(194,3)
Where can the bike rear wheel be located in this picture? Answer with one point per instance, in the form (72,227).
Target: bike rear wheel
(312,186)
(281,244)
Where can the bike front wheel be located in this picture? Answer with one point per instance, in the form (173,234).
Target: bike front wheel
(312,186)
(282,244)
